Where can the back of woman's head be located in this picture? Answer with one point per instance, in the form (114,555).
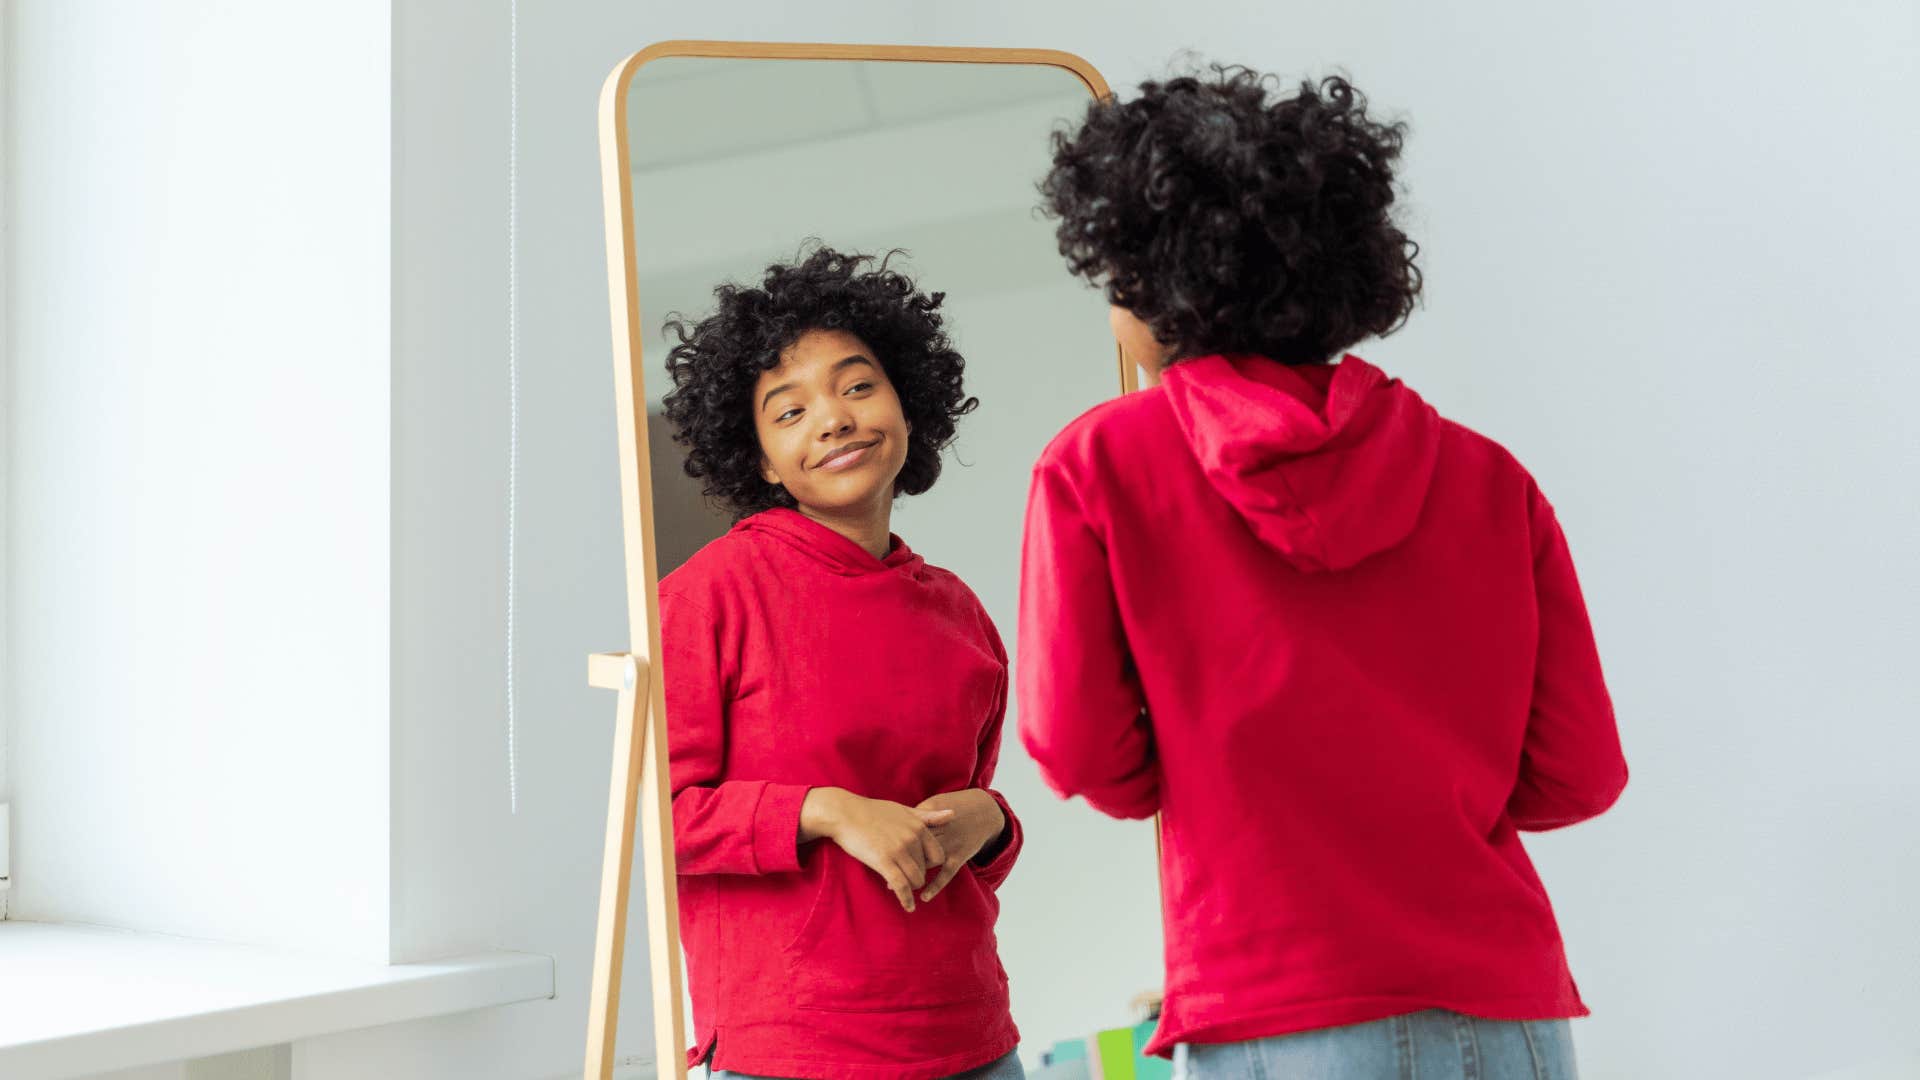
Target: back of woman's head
(1230,219)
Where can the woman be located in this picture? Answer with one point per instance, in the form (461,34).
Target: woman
(834,703)
(1332,638)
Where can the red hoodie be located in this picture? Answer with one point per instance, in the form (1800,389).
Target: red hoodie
(1336,641)
(794,659)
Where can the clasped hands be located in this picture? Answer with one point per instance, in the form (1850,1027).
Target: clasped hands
(917,849)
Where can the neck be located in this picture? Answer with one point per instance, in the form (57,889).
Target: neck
(869,526)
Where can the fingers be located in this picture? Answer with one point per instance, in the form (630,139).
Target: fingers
(931,850)
(898,883)
(947,873)
(910,868)
(935,817)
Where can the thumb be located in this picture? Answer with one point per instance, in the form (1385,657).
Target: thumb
(935,817)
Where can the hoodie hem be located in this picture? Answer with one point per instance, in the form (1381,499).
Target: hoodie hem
(756,1064)
(1338,1012)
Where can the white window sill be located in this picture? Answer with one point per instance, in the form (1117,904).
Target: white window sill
(83,999)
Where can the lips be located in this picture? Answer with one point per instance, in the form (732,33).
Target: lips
(846,457)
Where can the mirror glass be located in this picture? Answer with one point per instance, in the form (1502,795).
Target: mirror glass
(735,164)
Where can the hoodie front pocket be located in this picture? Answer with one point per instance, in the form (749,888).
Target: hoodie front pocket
(858,951)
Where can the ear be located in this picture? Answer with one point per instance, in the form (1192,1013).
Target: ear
(767,473)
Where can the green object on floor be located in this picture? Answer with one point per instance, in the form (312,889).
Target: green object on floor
(1116,1054)
(1069,1050)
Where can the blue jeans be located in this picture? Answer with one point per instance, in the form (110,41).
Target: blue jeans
(1006,1068)
(1431,1045)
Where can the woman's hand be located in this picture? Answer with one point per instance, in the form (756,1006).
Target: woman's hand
(897,842)
(976,822)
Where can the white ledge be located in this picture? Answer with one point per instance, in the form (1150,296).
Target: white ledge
(82,999)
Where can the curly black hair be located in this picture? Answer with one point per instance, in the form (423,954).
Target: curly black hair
(718,360)
(1232,221)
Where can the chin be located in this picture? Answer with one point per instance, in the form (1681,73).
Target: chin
(851,498)
(852,493)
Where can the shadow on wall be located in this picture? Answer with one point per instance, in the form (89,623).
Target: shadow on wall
(684,520)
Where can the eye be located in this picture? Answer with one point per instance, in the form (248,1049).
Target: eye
(788,415)
(860,386)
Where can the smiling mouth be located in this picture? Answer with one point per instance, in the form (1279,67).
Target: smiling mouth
(846,457)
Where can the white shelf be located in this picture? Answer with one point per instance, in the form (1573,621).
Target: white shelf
(81,999)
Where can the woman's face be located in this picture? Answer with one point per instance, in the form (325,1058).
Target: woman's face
(1137,343)
(830,425)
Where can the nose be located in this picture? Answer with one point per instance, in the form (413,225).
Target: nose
(835,421)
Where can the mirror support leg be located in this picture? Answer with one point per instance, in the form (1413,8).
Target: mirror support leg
(638,770)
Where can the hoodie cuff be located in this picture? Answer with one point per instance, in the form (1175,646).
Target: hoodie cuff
(995,870)
(776,828)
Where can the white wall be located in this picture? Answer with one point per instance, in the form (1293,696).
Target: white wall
(6,245)
(197,491)
(1668,264)
(453,857)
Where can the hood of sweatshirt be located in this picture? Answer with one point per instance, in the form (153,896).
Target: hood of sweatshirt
(1327,463)
(831,550)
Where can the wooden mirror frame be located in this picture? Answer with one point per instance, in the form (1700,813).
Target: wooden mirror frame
(640,778)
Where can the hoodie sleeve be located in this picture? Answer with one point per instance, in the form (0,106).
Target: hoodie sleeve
(719,826)
(1571,766)
(1082,714)
(995,862)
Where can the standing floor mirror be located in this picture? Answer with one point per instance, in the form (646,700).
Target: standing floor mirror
(719,159)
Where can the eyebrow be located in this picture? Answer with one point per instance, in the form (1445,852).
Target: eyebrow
(838,367)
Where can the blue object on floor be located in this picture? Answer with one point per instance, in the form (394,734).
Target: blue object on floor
(1144,1067)
(1069,1069)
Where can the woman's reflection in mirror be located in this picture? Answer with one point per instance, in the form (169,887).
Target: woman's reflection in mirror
(834,702)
